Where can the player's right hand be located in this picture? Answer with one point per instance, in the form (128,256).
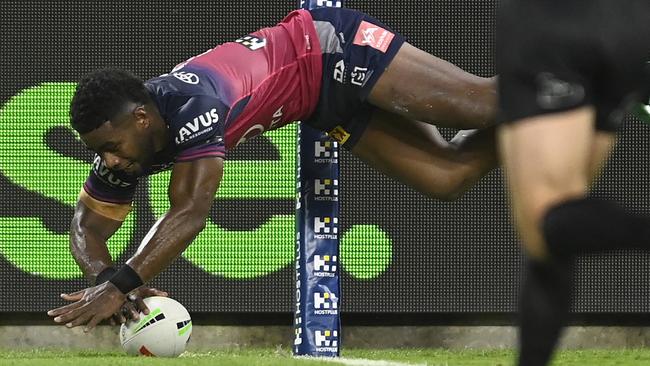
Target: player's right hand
(134,305)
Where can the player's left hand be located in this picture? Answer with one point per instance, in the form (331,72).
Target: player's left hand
(90,306)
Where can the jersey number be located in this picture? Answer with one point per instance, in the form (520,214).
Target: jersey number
(251,42)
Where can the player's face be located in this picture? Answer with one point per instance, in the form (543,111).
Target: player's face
(124,144)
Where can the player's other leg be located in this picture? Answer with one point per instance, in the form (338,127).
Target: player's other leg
(415,153)
(420,86)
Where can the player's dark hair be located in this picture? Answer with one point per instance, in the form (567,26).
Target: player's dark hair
(101,94)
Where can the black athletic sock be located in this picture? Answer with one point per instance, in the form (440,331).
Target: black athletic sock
(543,308)
(590,225)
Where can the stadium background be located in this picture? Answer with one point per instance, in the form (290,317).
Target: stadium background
(401,252)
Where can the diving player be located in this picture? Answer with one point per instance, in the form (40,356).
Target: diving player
(338,70)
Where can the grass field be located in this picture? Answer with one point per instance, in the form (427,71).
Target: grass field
(355,357)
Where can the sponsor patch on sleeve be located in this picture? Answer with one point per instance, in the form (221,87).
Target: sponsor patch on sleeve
(372,35)
(339,134)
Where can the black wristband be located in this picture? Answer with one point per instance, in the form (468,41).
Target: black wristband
(126,279)
(105,275)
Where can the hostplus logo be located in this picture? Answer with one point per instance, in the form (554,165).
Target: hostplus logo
(326,340)
(326,227)
(326,152)
(325,265)
(321,3)
(325,303)
(326,189)
(298,315)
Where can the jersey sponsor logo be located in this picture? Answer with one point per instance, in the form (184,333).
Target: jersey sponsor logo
(191,129)
(372,35)
(339,72)
(277,117)
(339,134)
(250,133)
(187,77)
(106,174)
(251,42)
(259,129)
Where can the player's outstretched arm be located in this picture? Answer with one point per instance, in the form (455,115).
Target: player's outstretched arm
(191,193)
(89,232)
(93,223)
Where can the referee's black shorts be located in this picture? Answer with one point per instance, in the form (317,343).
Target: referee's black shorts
(558,55)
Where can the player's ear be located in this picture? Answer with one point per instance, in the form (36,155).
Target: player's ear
(142,116)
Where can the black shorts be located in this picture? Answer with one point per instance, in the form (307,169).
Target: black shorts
(558,55)
(356,50)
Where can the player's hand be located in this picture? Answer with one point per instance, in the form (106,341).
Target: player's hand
(135,305)
(90,306)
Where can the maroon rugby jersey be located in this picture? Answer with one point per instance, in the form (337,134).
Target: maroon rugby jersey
(228,94)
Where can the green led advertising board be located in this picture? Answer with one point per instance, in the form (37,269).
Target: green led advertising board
(400,251)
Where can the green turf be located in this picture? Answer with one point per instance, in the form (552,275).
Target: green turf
(281,356)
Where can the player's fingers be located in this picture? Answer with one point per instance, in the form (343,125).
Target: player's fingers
(118,318)
(65,309)
(139,303)
(93,322)
(75,296)
(70,315)
(129,310)
(80,320)
(147,292)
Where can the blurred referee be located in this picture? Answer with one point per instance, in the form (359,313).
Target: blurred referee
(568,71)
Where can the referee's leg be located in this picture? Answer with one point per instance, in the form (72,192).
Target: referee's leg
(547,160)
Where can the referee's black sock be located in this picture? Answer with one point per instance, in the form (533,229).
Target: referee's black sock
(582,225)
(591,225)
(543,308)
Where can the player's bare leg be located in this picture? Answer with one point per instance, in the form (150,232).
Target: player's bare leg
(549,160)
(420,86)
(546,159)
(414,153)
(600,152)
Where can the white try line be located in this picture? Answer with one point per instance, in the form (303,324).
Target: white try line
(359,361)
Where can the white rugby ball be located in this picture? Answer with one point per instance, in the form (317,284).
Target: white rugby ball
(164,332)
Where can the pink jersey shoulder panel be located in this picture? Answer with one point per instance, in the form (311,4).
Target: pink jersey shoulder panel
(276,71)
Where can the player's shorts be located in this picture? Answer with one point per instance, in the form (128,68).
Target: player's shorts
(559,55)
(356,50)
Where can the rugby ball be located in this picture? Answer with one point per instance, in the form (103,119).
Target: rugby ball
(164,332)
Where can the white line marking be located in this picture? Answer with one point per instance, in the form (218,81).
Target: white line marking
(359,361)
